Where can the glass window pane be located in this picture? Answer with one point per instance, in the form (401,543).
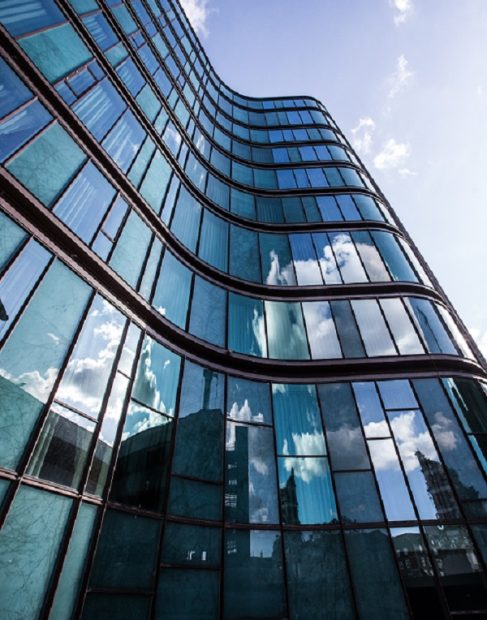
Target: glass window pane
(199,437)
(250,483)
(213,247)
(85,203)
(29,362)
(285,329)
(372,327)
(195,499)
(100,108)
(393,490)
(253,577)
(246,326)
(347,329)
(370,409)
(470,402)
(124,140)
(277,263)
(430,326)
(13,92)
(99,606)
(186,220)
(329,268)
(143,459)
(297,420)
(131,249)
(171,296)
(188,594)
(317,576)
(370,257)
(156,181)
(322,335)
(17,129)
(47,164)
(305,491)
(377,586)
(126,551)
(191,545)
(343,432)
(304,258)
(405,336)
(29,545)
(243,250)
(347,258)
(357,497)
(248,401)
(11,236)
(157,377)
(208,312)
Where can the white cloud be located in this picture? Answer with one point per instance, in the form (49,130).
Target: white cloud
(198,11)
(401,77)
(404,10)
(480,338)
(362,135)
(392,156)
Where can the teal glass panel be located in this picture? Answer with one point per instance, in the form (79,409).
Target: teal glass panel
(126,551)
(199,437)
(149,103)
(120,606)
(430,326)
(394,257)
(72,571)
(191,545)
(131,249)
(156,181)
(84,204)
(470,401)
(208,312)
(124,18)
(368,208)
(47,164)
(186,220)
(141,162)
(242,204)
(29,362)
(140,477)
(188,594)
(277,262)
(21,126)
(317,576)
(11,236)
(62,450)
(29,546)
(192,498)
(250,483)
(465,474)
(248,401)
(297,420)
(19,280)
(377,587)
(56,52)
(390,478)
(246,326)
(243,250)
(285,329)
(157,377)
(357,497)
(305,490)
(253,575)
(323,339)
(150,270)
(343,429)
(213,247)
(347,329)
(172,291)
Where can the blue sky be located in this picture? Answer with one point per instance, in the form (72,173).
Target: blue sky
(406,80)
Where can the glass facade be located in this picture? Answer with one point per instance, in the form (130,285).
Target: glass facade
(230,386)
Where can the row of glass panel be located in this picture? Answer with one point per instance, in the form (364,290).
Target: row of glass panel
(275,329)
(262,574)
(301,454)
(72,88)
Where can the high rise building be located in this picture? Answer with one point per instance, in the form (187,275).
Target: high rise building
(230,387)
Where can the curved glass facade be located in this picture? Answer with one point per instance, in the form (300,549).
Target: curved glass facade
(230,386)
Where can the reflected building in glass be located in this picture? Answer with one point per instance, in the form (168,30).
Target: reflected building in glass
(230,386)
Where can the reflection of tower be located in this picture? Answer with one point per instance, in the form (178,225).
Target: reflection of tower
(289,501)
(438,487)
(237,488)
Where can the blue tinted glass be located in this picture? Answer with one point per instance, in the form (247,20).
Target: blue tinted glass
(358,498)
(328,209)
(100,108)
(18,128)
(285,329)
(22,16)
(11,236)
(208,312)
(213,247)
(431,327)
(186,219)
(131,249)
(172,291)
(100,30)
(347,329)
(156,181)
(243,250)
(248,401)
(277,262)
(393,256)
(124,140)
(246,326)
(304,258)
(80,82)
(13,91)
(85,203)
(131,76)
(56,52)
